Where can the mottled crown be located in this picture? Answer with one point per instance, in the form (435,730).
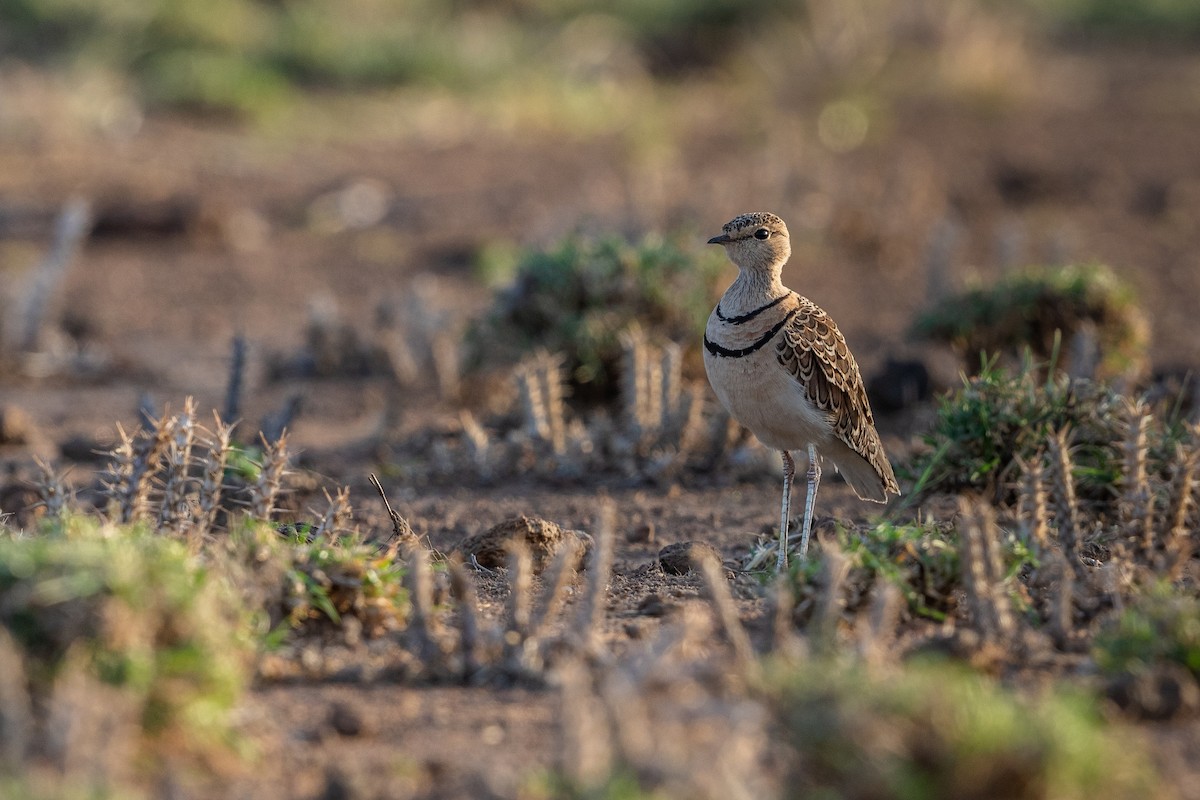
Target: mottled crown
(746,224)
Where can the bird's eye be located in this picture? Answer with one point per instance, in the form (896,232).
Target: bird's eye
(761,233)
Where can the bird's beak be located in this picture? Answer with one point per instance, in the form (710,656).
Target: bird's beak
(722,239)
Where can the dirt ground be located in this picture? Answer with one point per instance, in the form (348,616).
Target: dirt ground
(204,232)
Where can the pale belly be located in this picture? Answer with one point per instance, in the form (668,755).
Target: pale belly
(758,393)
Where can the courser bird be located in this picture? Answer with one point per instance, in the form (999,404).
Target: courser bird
(781,368)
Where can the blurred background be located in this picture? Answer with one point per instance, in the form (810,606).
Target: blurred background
(308,174)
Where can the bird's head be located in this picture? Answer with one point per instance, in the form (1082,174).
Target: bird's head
(757,241)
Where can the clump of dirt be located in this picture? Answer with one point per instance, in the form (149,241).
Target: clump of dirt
(542,537)
(684,557)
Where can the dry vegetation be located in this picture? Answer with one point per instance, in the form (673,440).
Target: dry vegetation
(184,590)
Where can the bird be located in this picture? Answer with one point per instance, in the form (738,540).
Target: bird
(779,365)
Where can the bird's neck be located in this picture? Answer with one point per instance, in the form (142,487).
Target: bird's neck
(751,289)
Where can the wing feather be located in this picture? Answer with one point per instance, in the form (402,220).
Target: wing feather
(814,352)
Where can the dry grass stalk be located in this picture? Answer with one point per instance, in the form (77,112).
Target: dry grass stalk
(783,628)
(520,587)
(876,638)
(146,411)
(119,474)
(1065,505)
(403,363)
(540,386)
(1003,618)
(680,724)
(462,588)
(634,391)
(550,373)
(586,755)
(16,711)
(1137,500)
(421,622)
(532,407)
(136,461)
(827,615)
(237,379)
(721,600)
(265,490)
(979,555)
(652,397)
(555,580)
(720,433)
(671,381)
(52,489)
(1058,576)
(624,697)
(1033,512)
(691,416)
(1179,544)
(212,480)
(72,227)
(662,427)
(446,367)
(652,386)
(402,533)
(479,445)
(275,425)
(1054,577)
(336,517)
(592,608)
(173,509)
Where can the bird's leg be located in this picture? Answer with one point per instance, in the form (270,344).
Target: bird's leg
(789,472)
(814,480)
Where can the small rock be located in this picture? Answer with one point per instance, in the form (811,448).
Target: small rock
(349,673)
(16,427)
(652,606)
(347,720)
(339,787)
(1162,692)
(124,216)
(683,557)
(643,533)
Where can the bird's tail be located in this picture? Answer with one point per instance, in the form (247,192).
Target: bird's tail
(870,480)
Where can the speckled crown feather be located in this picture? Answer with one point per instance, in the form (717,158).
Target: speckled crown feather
(755,219)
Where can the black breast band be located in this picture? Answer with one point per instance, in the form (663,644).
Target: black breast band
(725,352)
(751,315)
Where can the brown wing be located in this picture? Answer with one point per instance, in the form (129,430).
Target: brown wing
(814,351)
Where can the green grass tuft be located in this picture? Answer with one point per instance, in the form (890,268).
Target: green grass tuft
(248,56)
(1162,626)
(921,559)
(998,416)
(578,297)
(939,730)
(1160,19)
(1033,308)
(141,611)
(328,581)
